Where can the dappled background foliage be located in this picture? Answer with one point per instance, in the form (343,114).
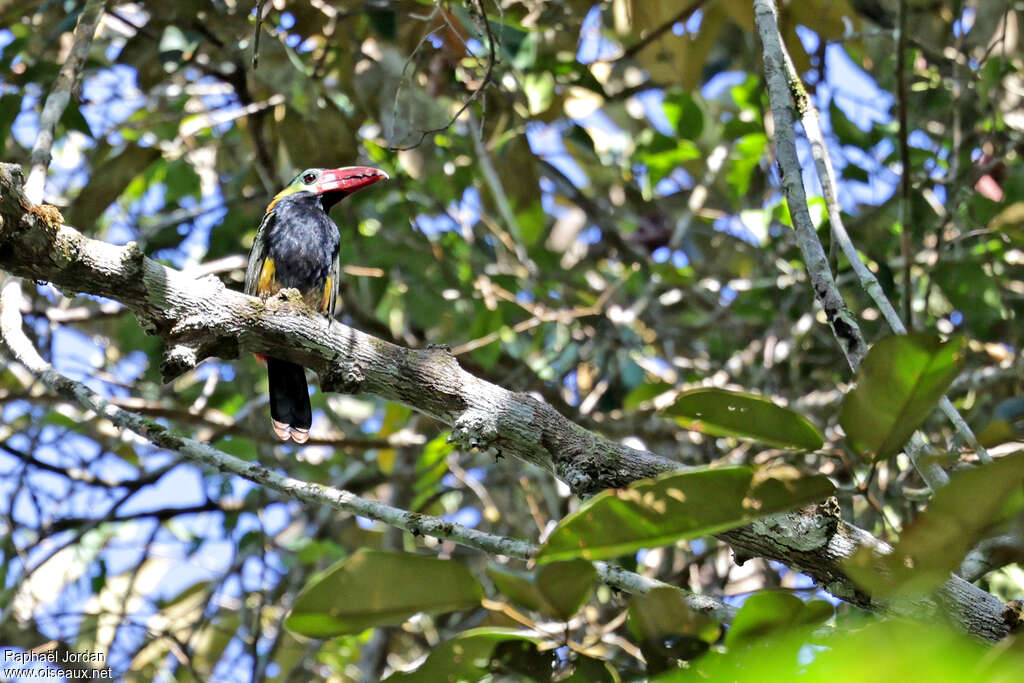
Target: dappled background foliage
(601,226)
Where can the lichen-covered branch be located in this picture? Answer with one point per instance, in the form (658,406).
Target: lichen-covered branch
(316,494)
(200,318)
(868,282)
(60,95)
(783,88)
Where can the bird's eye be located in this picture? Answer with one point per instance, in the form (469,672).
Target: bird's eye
(309,178)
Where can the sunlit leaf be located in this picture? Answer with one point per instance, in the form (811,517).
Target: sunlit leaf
(898,385)
(557,589)
(376,588)
(643,394)
(936,542)
(467,657)
(719,412)
(675,506)
(769,612)
(883,650)
(685,116)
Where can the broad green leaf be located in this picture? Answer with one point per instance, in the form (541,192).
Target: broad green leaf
(517,586)
(684,115)
(937,541)
(466,657)
(900,381)
(539,89)
(675,506)
(566,585)
(662,154)
(644,393)
(376,588)
(882,650)
(773,611)
(666,628)
(730,413)
(558,589)
(745,157)
(972,291)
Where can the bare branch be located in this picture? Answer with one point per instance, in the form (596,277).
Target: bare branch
(418,524)
(827,176)
(489,69)
(782,85)
(683,15)
(59,97)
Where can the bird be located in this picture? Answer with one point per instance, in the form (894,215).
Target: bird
(296,247)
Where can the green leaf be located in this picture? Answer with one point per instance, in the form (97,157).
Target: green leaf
(540,90)
(900,381)
(466,657)
(376,588)
(731,413)
(684,115)
(882,650)
(558,589)
(517,586)
(773,611)
(662,154)
(644,393)
(566,586)
(936,542)
(663,612)
(532,223)
(746,156)
(675,506)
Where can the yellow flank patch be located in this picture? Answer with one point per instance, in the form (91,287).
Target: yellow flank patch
(267,284)
(326,304)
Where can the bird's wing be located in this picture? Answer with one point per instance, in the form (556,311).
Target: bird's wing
(257,256)
(334,284)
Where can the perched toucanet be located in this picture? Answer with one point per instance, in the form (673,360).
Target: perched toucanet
(296,247)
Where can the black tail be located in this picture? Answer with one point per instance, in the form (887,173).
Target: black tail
(289,400)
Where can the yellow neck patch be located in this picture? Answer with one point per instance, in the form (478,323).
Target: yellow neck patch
(291,189)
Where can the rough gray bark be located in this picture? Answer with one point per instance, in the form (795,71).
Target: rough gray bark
(200,318)
(781,84)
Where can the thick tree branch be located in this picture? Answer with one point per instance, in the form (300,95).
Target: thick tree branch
(199,318)
(418,524)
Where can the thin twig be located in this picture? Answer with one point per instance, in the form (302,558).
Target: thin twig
(256,36)
(906,208)
(57,100)
(639,45)
(491,60)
